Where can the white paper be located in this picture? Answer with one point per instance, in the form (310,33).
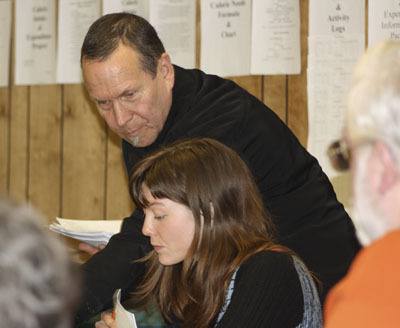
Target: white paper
(175,23)
(123,318)
(225,37)
(336,17)
(35,42)
(112,226)
(383,21)
(275,47)
(5,41)
(74,19)
(137,7)
(92,232)
(335,43)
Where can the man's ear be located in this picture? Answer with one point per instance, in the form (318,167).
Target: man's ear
(166,69)
(383,169)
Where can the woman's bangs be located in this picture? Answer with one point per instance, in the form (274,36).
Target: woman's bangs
(164,182)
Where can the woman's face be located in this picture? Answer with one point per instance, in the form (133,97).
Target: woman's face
(170,226)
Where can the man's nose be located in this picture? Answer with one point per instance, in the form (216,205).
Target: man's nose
(121,114)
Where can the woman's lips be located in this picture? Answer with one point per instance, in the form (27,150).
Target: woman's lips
(157,248)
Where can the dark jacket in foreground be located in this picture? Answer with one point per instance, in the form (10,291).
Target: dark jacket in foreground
(296,192)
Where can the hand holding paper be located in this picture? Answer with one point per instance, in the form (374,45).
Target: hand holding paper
(119,318)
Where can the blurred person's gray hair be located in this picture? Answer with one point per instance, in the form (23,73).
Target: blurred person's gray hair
(374,98)
(37,285)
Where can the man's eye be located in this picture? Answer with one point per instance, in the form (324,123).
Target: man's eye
(103,104)
(160,217)
(128,96)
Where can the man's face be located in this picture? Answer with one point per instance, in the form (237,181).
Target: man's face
(134,104)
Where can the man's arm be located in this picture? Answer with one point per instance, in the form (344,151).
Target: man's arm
(113,267)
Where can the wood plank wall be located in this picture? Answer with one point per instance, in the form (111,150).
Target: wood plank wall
(57,154)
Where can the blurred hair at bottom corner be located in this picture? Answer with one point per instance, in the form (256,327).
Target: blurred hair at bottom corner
(39,284)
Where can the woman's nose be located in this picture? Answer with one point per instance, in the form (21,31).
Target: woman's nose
(147,229)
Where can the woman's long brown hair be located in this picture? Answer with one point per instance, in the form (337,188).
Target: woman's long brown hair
(231,225)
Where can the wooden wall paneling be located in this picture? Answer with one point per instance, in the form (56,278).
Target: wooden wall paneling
(297,85)
(44,185)
(4,140)
(342,184)
(366,23)
(252,83)
(83,157)
(19,151)
(118,201)
(198,33)
(274,94)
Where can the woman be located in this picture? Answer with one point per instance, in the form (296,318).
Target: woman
(214,261)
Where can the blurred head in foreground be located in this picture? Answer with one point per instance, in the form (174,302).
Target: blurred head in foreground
(37,285)
(371,142)
(373,132)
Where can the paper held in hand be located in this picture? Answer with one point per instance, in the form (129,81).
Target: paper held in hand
(123,318)
(92,232)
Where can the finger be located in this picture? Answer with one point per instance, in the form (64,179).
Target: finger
(101,324)
(88,248)
(105,313)
(108,319)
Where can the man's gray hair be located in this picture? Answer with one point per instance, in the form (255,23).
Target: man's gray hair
(107,32)
(374,98)
(37,286)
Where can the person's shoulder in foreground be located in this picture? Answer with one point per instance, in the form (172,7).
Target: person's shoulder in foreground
(368,296)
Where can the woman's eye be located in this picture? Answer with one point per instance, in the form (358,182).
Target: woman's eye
(160,217)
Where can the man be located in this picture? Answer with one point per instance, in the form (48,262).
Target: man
(149,102)
(38,285)
(369,296)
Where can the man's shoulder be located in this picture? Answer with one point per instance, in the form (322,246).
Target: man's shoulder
(216,100)
(207,87)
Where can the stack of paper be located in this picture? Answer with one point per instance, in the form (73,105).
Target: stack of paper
(93,232)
